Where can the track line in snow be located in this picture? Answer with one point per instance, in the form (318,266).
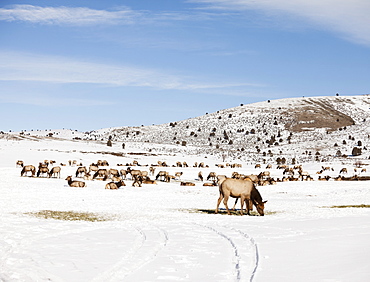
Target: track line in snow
(150,242)
(246,256)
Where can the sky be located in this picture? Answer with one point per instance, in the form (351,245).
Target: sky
(86,65)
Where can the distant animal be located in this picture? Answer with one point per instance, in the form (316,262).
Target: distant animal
(55,172)
(162,175)
(28,168)
(200,176)
(212,176)
(43,170)
(178,175)
(114,185)
(149,181)
(101,173)
(245,190)
(210,184)
(81,171)
(343,170)
(75,183)
(187,184)
(138,180)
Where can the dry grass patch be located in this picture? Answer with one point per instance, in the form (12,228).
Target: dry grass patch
(349,206)
(71,216)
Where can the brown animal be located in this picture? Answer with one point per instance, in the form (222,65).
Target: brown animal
(200,176)
(114,185)
(114,172)
(149,181)
(138,180)
(152,170)
(81,171)
(55,172)
(43,169)
(210,184)
(101,173)
(28,168)
(162,175)
(88,176)
(19,163)
(93,167)
(212,176)
(75,183)
(245,190)
(178,175)
(187,184)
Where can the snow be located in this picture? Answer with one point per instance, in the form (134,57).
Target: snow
(154,232)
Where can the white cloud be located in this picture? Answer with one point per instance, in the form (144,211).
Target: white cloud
(67,15)
(350,18)
(51,69)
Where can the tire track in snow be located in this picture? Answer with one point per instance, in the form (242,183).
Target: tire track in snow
(246,256)
(151,241)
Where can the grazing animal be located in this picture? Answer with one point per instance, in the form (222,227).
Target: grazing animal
(162,175)
(101,173)
(152,170)
(114,185)
(138,180)
(55,172)
(178,175)
(81,171)
(28,168)
(343,170)
(200,176)
(43,169)
(75,183)
(245,190)
(114,172)
(212,176)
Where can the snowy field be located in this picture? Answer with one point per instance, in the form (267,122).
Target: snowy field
(159,232)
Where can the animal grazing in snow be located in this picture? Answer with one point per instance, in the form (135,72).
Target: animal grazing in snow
(81,171)
(55,172)
(43,169)
(245,190)
(75,183)
(28,168)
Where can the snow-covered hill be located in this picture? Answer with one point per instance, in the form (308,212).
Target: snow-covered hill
(304,129)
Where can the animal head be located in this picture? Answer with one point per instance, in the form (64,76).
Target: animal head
(260,208)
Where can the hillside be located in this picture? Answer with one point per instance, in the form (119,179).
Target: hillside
(306,129)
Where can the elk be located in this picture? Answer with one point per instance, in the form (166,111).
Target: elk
(75,183)
(103,173)
(55,172)
(43,169)
(81,171)
(114,185)
(19,163)
(28,168)
(211,176)
(245,190)
(187,184)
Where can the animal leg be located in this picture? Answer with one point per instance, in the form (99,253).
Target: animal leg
(218,202)
(225,203)
(235,203)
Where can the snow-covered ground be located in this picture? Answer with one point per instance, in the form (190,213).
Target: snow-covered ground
(158,232)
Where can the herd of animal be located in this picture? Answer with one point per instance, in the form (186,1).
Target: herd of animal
(239,186)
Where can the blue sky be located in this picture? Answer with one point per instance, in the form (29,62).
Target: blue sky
(87,65)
